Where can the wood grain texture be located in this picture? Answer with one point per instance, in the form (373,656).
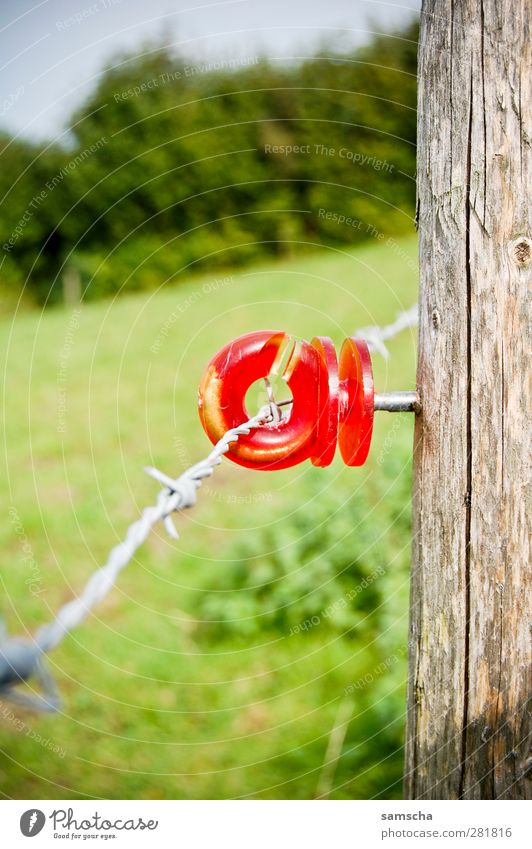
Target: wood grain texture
(468,726)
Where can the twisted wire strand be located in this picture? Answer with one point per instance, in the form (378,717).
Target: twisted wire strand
(22,658)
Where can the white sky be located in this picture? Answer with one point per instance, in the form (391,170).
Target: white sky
(49,60)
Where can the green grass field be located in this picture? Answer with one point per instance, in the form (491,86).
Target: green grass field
(193,679)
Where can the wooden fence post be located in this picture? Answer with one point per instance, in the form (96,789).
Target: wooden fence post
(468,730)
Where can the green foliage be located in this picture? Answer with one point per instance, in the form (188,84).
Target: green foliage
(173,166)
(324,568)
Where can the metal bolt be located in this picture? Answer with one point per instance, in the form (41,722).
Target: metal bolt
(398,402)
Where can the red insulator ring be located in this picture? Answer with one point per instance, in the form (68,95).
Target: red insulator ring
(222,393)
(357,401)
(328,402)
(331,401)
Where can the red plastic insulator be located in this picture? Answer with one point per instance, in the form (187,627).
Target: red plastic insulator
(331,401)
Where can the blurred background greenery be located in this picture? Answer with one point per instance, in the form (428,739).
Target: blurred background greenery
(263,654)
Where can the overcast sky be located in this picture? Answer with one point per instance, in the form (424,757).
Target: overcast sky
(51,51)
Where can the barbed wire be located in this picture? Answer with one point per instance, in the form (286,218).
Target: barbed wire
(23,658)
(376,336)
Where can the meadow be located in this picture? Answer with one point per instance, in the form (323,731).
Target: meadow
(263,654)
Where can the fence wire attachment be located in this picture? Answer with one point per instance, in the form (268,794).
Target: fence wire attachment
(22,659)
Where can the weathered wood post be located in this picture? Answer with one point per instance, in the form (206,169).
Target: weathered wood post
(468,730)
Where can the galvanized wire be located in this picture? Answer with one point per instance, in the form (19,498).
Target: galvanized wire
(22,658)
(377,336)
